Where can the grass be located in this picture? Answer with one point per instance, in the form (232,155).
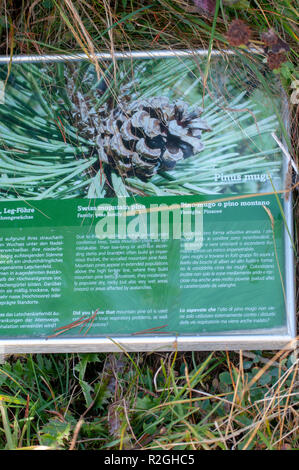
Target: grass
(235,400)
(177,401)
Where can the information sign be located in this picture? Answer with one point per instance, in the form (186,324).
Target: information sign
(142,208)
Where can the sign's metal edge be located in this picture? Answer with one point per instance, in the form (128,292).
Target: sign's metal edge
(290,271)
(229,342)
(168,343)
(35,58)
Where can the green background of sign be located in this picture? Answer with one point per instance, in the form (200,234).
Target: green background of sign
(59,217)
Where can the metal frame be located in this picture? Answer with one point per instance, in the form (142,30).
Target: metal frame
(232,341)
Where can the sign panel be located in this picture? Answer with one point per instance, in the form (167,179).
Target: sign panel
(140,208)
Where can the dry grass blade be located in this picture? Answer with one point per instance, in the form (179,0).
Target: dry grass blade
(276,254)
(152,331)
(83,322)
(269,364)
(80,33)
(76,434)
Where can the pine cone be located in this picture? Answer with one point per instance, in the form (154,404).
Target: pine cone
(269,37)
(275,60)
(136,138)
(238,33)
(146,136)
(207,7)
(83,113)
(273,43)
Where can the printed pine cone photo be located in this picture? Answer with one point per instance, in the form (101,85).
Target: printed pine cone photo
(151,127)
(150,135)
